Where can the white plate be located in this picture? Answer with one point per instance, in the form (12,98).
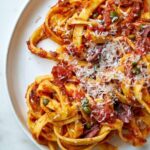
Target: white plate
(22,67)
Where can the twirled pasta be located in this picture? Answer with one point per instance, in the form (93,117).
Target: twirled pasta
(101,84)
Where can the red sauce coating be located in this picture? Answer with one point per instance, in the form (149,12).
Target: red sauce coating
(62,72)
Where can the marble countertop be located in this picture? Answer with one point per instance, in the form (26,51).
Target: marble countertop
(11,134)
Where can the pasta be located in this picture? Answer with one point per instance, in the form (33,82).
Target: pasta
(100,87)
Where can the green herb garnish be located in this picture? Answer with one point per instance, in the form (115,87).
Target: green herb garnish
(136,70)
(95,68)
(134,64)
(85,102)
(141,27)
(95,15)
(88,125)
(114,16)
(45,102)
(85,106)
(87,110)
(131,37)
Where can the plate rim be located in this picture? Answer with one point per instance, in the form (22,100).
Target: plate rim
(15,24)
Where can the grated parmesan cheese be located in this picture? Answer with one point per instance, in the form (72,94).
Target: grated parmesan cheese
(106,71)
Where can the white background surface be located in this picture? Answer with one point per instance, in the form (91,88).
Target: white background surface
(11,135)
